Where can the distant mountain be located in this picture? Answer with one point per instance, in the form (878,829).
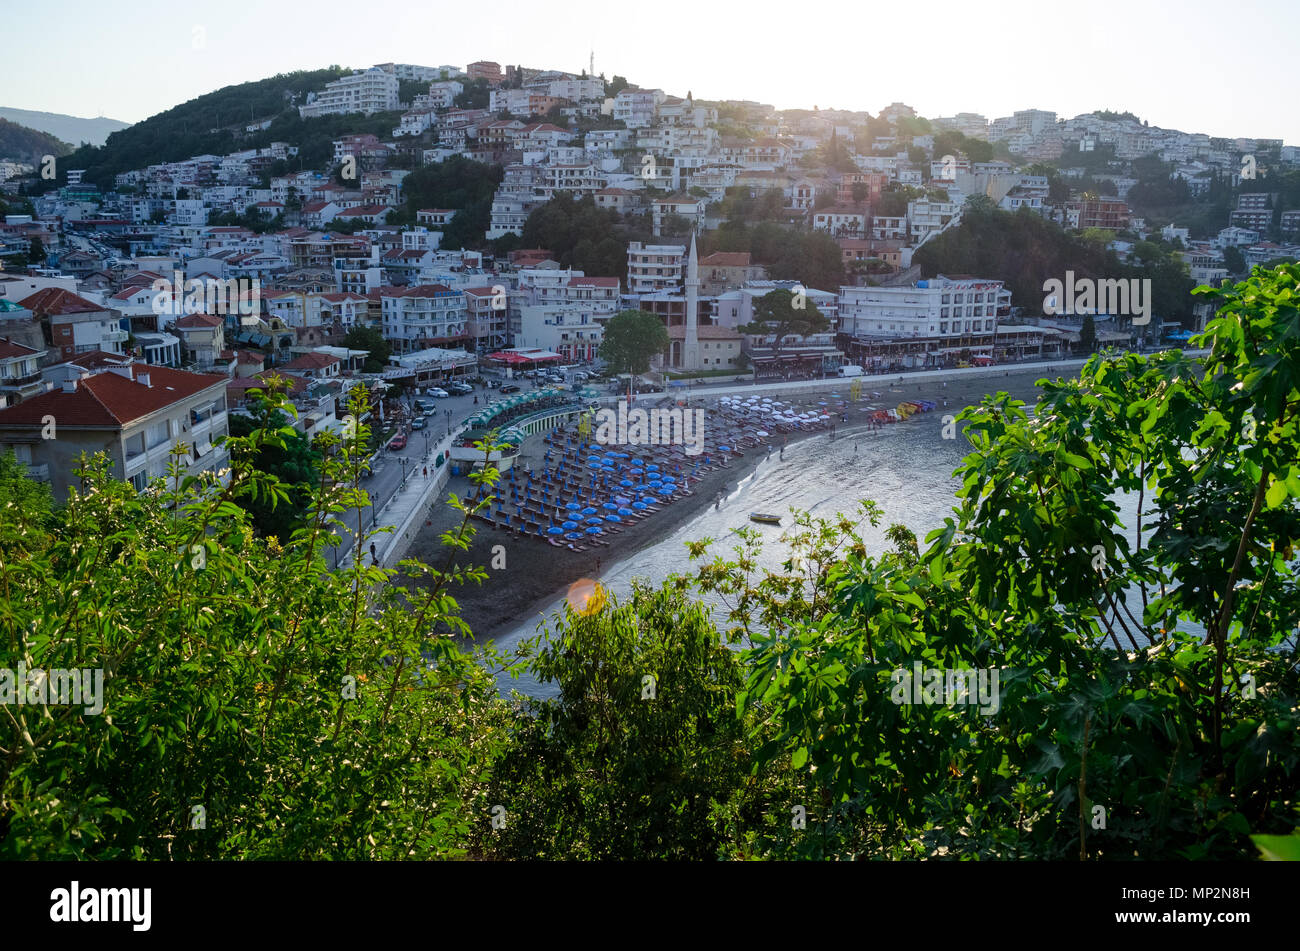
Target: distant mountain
(71,129)
(22,144)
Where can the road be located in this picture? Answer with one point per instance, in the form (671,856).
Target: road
(394,467)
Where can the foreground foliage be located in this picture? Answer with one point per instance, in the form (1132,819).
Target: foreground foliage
(259,705)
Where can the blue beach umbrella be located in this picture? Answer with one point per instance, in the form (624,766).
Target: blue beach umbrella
(639,506)
(554,531)
(612,518)
(570,524)
(593,530)
(626,483)
(573,506)
(588,511)
(610,507)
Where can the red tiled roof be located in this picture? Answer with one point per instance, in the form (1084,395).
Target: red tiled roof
(55,300)
(198,322)
(109,399)
(10,349)
(310,361)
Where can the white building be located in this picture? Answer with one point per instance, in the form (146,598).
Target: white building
(654,267)
(422,316)
(939,307)
(367,91)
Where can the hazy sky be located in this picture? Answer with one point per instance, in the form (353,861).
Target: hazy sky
(1195,65)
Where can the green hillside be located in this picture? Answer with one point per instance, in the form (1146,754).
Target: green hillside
(22,144)
(213,123)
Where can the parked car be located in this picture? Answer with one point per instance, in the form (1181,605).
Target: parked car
(581,377)
(425,406)
(510,388)
(460,388)
(438,392)
(418,423)
(397,442)
(555,378)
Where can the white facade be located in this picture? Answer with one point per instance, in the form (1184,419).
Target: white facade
(941,307)
(372,90)
(654,267)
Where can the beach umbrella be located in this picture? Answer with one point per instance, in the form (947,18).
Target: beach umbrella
(573,506)
(626,483)
(655,483)
(569,524)
(637,471)
(555,531)
(573,535)
(639,506)
(612,518)
(594,520)
(589,511)
(624,510)
(725,448)
(593,530)
(609,506)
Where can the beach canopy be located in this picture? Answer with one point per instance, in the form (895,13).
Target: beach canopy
(569,524)
(573,506)
(639,506)
(609,506)
(555,531)
(593,530)
(612,518)
(588,511)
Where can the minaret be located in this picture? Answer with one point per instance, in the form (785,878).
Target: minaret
(691,348)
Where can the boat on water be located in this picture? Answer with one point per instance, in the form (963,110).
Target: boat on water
(765,518)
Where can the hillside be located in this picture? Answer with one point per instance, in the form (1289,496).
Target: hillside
(72,129)
(28,145)
(213,123)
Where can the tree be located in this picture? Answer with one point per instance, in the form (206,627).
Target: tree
(371,340)
(242,681)
(1233,260)
(286,454)
(784,313)
(632,338)
(1088,335)
(36,251)
(610,768)
(860,192)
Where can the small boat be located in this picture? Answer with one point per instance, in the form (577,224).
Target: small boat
(765,518)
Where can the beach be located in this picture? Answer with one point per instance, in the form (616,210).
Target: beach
(530,575)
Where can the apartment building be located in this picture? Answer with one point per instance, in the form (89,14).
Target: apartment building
(925,216)
(1254,210)
(20,373)
(132,412)
(654,267)
(941,308)
(366,91)
(841,221)
(74,325)
(1107,213)
(636,108)
(427,315)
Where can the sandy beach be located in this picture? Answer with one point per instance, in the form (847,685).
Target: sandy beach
(535,574)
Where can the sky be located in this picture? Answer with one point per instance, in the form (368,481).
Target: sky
(1194,65)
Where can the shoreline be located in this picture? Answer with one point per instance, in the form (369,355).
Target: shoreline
(531,576)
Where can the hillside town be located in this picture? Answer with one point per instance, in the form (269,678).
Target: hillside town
(140,307)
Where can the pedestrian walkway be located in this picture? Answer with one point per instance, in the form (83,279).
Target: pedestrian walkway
(404,509)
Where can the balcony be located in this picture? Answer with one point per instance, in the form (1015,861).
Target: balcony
(40,473)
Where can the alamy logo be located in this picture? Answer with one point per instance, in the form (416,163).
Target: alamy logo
(1119,297)
(102,904)
(209,296)
(654,427)
(35,687)
(938,686)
